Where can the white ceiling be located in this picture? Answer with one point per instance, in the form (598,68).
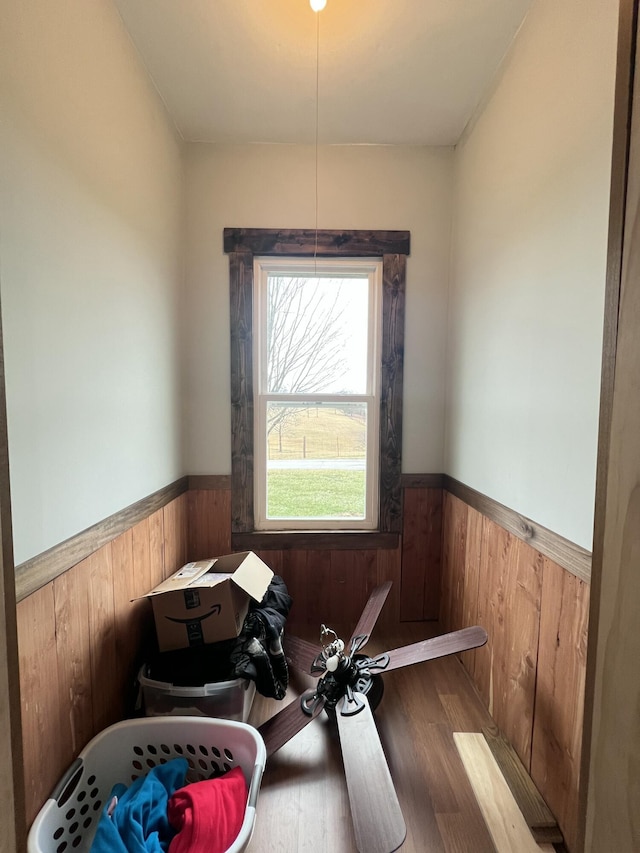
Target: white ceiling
(389,71)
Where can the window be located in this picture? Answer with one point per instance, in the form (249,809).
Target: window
(316,333)
(385,250)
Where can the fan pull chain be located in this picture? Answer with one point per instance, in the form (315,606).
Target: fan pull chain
(315,250)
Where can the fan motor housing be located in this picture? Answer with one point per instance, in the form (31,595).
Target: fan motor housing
(353,672)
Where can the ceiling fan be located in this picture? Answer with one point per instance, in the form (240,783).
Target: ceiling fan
(349,689)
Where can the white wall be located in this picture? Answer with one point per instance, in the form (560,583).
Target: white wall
(90,224)
(273,186)
(528,271)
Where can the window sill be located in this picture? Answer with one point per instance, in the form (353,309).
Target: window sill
(305,540)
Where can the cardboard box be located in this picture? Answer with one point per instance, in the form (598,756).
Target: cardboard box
(207,601)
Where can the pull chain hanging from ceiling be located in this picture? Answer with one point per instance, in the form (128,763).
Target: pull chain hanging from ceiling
(315,251)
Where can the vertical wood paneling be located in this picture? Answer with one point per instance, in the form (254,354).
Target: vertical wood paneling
(521,636)
(333,587)
(317,579)
(390,569)
(483,663)
(414,534)
(73,645)
(352,573)
(531,672)
(81,640)
(127,638)
(175,531)
(307,575)
(134,629)
(209,523)
(156,548)
(447,564)
(146,567)
(433,555)
(557,731)
(106,702)
(92,637)
(274,559)
(513,573)
(421,550)
(42,700)
(454,537)
(471,591)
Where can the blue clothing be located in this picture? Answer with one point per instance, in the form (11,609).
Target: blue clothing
(139,823)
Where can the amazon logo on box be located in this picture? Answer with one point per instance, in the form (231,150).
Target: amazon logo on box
(207,601)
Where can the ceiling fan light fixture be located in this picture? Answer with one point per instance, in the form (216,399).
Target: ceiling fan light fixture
(317,5)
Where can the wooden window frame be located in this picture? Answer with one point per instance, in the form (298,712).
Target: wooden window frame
(242,245)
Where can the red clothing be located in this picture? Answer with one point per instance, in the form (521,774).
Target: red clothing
(208,815)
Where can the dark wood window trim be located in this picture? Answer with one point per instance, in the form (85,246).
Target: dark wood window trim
(242,244)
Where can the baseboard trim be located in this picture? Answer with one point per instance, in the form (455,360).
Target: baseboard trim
(45,567)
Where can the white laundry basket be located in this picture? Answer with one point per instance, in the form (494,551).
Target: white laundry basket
(67,822)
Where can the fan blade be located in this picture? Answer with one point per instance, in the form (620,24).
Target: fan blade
(369,616)
(437,647)
(300,653)
(288,722)
(377,818)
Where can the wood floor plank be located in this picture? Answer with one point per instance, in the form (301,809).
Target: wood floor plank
(503,817)
(459,837)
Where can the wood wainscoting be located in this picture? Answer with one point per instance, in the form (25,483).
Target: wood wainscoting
(531,673)
(81,639)
(329,583)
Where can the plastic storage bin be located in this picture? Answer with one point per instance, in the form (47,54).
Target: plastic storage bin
(67,822)
(231,700)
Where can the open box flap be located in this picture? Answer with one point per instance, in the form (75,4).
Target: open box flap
(187,575)
(253,576)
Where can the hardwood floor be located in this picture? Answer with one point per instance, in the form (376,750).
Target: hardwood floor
(303,803)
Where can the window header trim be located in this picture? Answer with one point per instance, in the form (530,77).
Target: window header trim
(307,243)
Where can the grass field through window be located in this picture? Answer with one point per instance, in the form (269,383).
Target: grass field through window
(308,493)
(317,447)
(319,432)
